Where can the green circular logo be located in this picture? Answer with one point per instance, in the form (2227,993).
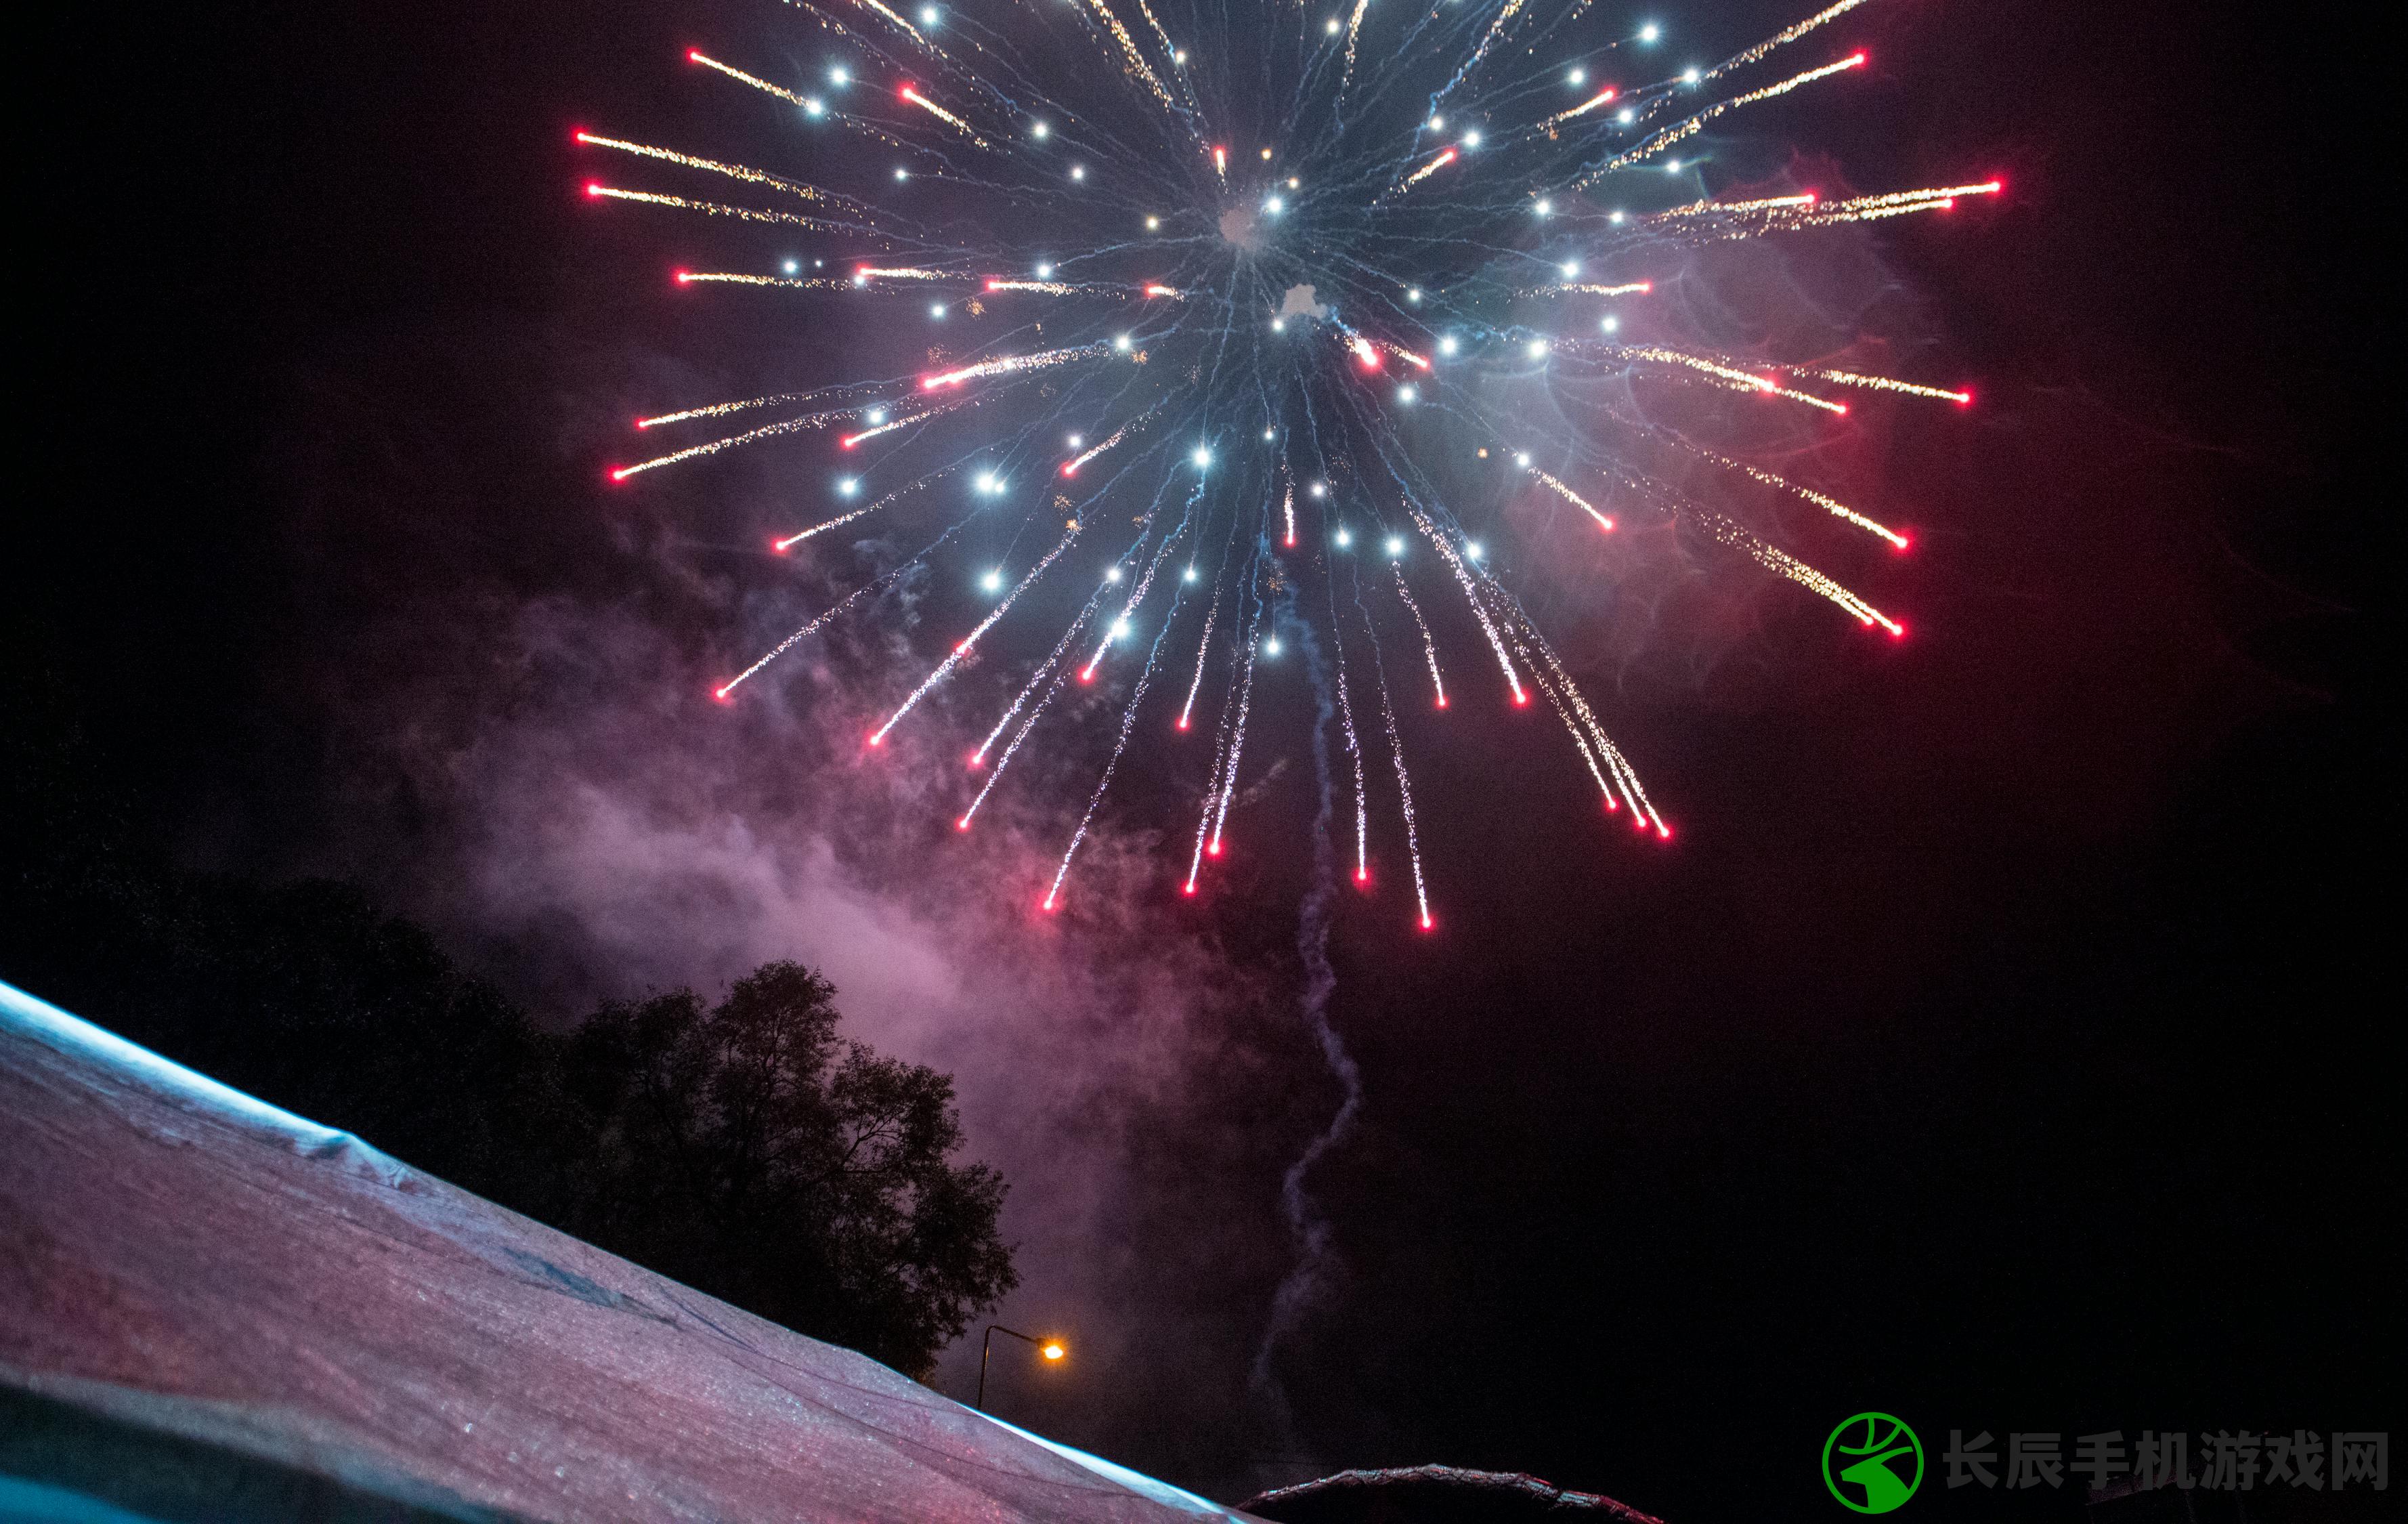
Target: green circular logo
(1874,1455)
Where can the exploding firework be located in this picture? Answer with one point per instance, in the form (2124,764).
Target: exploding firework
(1238,316)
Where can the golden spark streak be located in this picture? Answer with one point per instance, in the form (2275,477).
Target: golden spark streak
(1071,467)
(953,657)
(1602,97)
(712,447)
(720,409)
(1633,288)
(1798,571)
(1429,646)
(908,29)
(1670,136)
(1574,498)
(1866,209)
(1012,364)
(1742,379)
(781,647)
(798,283)
(733,171)
(1428,169)
(1945,193)
(1136,63)
(1884,383)
(851,439)
(1829,505)
(738,75)
(1470,592)
(714,208)
(1871,214)
(930,107)
(1785,86)
(1783,38)
(789,541)
(1572,708)
(1709,209)
(1495,29)
(1353,29)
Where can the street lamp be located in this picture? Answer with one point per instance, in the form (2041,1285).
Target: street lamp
(1050,1350)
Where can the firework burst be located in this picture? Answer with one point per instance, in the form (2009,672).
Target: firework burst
(1238,283)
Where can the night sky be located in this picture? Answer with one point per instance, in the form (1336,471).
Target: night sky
(2000,1044)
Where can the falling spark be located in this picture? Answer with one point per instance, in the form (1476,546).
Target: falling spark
(1237,736)
(1470,591)
(792,282)
(1853,61)
(1799,572)
(887,427)
(953,657)
(1050,678)
(1637,288)
(788,643)
(1425,171)
(1354,748)
(1831,505)
(1884,383)
(722,410)
(1574,498)
(1118,628)
(1120,745)
(1730,375)
(1692,125)
(733,171)
(1783,38)
(712,447)
(760,84)
(876,9)
(913,94)
(1013,364)
(1603,97)
(1072,466)
(1354,29)
(1430,647)
(1734,209)
(1224,753)
(1203,649)
(713,209)
(1404,789)
(1136,60)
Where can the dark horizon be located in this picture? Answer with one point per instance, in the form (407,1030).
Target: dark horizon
(1998,1042)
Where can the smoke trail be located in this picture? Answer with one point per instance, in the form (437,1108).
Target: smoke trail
(1313,1233)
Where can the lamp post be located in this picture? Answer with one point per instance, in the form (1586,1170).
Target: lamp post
(1053,1349)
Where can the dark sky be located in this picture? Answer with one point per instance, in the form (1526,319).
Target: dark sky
(2000,1045)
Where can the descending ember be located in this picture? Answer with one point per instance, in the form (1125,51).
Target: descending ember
(1266,357)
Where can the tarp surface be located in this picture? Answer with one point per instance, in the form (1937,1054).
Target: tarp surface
(201,1293)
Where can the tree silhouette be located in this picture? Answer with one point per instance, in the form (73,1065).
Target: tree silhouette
(747,1150)
(744,1148)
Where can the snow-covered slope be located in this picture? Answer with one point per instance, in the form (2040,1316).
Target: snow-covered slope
(212,1308)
